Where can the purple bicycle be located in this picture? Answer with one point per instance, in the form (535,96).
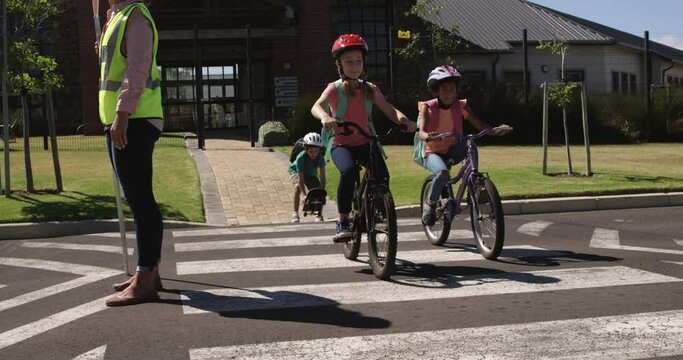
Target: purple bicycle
(483,201)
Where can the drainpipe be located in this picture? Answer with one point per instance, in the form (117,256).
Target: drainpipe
(665,70)
(493,68)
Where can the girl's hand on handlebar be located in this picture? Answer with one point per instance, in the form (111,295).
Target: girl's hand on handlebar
(330,124)
(501,130)
(410,126)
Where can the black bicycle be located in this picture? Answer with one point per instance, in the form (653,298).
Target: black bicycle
(372,212)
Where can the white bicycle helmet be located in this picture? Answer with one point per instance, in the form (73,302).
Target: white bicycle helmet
(313,139)
(441,73)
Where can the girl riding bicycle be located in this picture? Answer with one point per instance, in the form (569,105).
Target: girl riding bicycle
(358,95)
(444,114)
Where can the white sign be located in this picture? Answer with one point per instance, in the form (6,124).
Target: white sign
(286,81)
(285,101)
(286,92)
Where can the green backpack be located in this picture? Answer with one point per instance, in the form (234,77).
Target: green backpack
(342,104)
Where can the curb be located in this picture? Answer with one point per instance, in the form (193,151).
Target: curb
(569,204)
(510,207)
(52,229)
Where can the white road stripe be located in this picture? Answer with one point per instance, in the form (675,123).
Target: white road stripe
(83,247)
(630,336)
(673,262)
(338,261)
(534,228)
(30,330)
(605,238)
(678,242)
(94,354)
(90,274)
(225,300)
(273,229)
(129,235)
(300,241)
(609,239)
(2,286)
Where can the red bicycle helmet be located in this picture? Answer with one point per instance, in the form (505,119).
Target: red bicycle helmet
(349,42)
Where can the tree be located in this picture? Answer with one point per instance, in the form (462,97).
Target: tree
(428,42)
(30,72)
(562,94)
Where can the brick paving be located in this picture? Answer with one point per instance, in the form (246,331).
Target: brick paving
(253,183)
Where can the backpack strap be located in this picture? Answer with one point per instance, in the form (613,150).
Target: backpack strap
(343,102)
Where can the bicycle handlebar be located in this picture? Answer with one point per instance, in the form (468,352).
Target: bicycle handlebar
(473,136)
(347,124)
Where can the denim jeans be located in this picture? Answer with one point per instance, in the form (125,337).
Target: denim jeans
(133,166)
(345,159)
(438,162)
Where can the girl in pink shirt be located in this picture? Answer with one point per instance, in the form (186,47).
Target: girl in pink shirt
(349,52)
(445,113)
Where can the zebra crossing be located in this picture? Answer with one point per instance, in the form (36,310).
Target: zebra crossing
(616,336)
(291,277)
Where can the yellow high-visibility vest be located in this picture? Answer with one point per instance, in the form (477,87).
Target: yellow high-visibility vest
(113,66)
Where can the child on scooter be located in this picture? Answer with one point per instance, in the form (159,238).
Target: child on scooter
(304,172)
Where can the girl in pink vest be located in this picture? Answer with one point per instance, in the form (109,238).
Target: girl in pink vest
(445,113)
(349,52)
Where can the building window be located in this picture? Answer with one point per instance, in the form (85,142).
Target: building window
(368,19)
(475,79)
(572,75)
(625,83)
(515,78)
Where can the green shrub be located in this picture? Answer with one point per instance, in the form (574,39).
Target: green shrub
(273,133)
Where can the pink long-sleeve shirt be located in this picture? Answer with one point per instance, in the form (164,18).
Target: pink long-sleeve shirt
(138,51)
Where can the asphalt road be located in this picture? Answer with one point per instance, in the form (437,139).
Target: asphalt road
(601,284)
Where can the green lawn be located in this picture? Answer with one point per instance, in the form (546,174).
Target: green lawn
(516,171)
(88,186)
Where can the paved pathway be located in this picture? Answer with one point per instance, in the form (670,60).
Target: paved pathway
(252,184)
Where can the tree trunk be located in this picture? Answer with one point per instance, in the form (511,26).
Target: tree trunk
(566,138)
(27,146)
(53,138)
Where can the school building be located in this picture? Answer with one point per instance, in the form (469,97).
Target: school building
(206,46)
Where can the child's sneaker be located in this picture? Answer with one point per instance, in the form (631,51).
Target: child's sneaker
(343,232)
(295,219)
(319,219)
(428,213)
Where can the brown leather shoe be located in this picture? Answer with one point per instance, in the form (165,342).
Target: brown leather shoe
(124,285)
(123,299)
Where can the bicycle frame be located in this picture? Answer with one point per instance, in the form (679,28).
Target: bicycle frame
(468,171)
(368,178)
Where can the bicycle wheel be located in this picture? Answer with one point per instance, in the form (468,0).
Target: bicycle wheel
(383,233)
(438,233)
(351,247)
(488,221)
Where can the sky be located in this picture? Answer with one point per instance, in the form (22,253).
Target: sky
(662,18)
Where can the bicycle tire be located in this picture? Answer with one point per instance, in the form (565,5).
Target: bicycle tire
(488,220)
(352,247)
(438,233)
(382,227)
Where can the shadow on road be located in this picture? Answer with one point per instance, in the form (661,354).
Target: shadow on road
(234,302)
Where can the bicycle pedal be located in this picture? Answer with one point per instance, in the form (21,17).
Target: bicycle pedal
(381,227)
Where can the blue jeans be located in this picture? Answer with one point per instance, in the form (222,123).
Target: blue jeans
(436,163)
(345,159)
(134,170)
